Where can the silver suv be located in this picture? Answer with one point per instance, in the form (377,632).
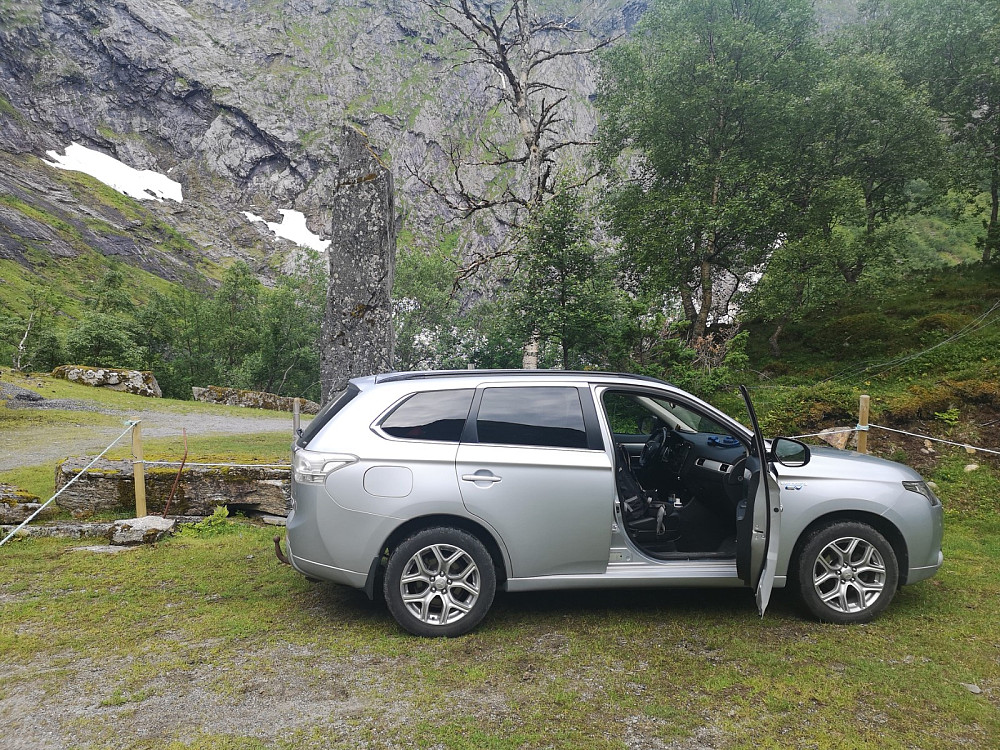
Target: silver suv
(437,488)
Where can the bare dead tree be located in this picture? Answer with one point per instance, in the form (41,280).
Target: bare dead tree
(21,349)
(510,39)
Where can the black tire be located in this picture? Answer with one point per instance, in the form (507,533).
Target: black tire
(440,582)
(847,573)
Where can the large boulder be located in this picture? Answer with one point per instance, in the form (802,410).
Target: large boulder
(139,382)
(109,486)
(215,394)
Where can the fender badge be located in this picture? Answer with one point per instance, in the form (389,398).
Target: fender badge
(797,486)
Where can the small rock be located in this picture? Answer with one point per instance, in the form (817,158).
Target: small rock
(934,486)
(834,437)
(974,689)
(926,452)
(971,467)
(970,450)
(145,530)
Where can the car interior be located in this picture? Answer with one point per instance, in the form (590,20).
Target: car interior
(679,476)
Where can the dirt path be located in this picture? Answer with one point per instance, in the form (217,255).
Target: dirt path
(32,444)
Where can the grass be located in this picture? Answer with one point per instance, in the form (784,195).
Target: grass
(566,669)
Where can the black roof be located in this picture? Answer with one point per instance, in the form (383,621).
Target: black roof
(420,374)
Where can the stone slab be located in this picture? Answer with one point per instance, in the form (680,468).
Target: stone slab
(109,487)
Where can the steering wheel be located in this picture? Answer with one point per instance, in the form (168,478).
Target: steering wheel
(654,448)
(735,476)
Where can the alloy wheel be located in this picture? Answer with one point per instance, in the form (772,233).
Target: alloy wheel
(440,584)
(849,574)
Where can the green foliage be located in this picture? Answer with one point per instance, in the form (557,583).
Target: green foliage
(216,524)
(949,417)
(562,290)
(701,112)
(948,48)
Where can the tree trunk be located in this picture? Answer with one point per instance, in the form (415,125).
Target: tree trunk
(701,322)
(993,229)
(357,325)
(772,342)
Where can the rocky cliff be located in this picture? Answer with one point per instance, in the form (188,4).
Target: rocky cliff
(242,103)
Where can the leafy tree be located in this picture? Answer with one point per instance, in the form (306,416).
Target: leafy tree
(236,317)
(102,340)
(700,111)
(563,292)
(950,48)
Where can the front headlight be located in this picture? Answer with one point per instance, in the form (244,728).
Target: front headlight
(921,488)
(311,467)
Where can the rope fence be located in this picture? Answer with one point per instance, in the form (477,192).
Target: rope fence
(26,521)
(232,466)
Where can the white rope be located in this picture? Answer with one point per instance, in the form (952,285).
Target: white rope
(937,440)
(234,466)
(825,432)
(62,489)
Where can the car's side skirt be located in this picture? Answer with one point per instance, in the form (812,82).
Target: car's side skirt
(706,573)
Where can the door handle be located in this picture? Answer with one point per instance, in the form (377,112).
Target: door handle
(486,476)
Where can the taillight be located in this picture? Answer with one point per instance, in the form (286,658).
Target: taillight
(312,467)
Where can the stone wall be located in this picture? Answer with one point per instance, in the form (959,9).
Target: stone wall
(109,486)
(215,394)
(139,382)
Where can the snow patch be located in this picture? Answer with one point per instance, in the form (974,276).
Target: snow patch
(293,227)
(143,185)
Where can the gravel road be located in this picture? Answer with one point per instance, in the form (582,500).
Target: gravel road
(29,447)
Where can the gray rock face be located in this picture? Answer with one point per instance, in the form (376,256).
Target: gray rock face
(357,327)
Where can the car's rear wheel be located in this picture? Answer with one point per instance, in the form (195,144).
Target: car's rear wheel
(440,582)
(847,573)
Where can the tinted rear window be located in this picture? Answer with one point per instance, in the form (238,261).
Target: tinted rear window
(532,416)
(431,415)
(327,413)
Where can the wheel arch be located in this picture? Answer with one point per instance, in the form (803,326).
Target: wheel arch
(881,524)
(412,526)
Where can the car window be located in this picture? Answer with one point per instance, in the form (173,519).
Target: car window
(327,413)
(629,412)
(537,416)
(431,415)
(627,416)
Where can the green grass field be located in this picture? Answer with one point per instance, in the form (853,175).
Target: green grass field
(566,670)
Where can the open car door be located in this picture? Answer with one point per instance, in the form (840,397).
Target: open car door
(758,518)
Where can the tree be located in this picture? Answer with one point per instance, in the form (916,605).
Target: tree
(950,48)
(511,172)
(872,137)
(700,113)
(563,291)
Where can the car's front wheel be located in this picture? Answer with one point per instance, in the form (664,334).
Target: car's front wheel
(847,573)
(440,582)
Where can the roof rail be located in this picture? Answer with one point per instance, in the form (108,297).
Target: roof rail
(420,374)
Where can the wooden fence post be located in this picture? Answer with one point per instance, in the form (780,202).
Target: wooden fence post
(863,424)
(138,471)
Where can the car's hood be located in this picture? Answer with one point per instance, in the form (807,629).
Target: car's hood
(830,463)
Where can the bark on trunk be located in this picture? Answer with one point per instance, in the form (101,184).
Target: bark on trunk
(357,327)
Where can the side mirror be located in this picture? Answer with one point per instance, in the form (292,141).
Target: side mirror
(789,452)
